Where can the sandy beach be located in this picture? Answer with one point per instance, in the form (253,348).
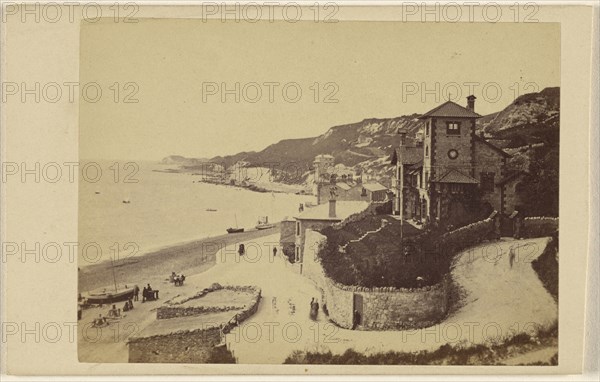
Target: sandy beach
(188,258)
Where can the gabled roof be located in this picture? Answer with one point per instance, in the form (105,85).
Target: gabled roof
(410,155)
(497,149)
(375,186)
(450,109)
(454,176)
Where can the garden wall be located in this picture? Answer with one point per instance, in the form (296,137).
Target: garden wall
(539,227)
(382,308)
(374,208)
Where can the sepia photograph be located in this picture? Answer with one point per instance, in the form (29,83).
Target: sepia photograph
(299,190)
(318,192)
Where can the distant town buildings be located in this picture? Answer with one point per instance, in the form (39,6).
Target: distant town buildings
(344,182)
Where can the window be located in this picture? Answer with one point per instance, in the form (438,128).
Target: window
(297,228)
(426,150)
(426,179)
(364,192)
(487,182)
(453,128)
(452,154)
(427,124)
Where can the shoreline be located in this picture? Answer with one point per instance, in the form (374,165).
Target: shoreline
(191,257)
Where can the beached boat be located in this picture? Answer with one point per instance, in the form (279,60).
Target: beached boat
(263,223)
(109,295)
(236,229)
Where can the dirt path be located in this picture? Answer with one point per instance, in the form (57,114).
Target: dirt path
(497,301)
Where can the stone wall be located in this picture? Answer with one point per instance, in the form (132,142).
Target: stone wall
(383,308)
(489,160)
(539,226)
(288,232)
(180,347)
(375,208)
(189,346)
(173,308)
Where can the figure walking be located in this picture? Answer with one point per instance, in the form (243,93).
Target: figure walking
(511,257)
(274,252)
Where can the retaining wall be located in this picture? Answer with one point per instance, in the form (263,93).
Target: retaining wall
(382,308)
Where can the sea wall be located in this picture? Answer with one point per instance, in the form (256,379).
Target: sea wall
(379,308)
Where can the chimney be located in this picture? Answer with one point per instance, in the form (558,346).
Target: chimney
(402,133)
(471,102)
(332,208)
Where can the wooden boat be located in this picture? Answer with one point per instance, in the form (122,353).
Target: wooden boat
(211,210)
(109,295)
(236,229)
(263,223)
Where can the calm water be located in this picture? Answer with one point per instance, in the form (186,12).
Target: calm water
(165,209)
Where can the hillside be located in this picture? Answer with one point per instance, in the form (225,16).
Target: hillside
(531,119)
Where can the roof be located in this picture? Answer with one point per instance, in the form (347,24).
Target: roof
(343,210)
(450,109)
(410,155)
(343,186)
(375,186)
(497,149)
(454,176)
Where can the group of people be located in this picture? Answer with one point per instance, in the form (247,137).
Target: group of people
(128,305)
(176,279)
(149,294)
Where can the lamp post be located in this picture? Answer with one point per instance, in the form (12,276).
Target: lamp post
(402,134)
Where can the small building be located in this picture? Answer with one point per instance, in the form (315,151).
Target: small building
(287,237)
(374,192)
(321,216)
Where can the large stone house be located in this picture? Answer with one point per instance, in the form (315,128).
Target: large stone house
(455,176)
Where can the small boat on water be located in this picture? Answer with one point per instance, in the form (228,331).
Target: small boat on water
(236,229)
(97,192)
(263,223)
(211,210)
(126,201)
(109,295)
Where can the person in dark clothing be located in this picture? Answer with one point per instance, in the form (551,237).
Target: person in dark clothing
(136,293)
(355,319)
(144,294)
(274,252)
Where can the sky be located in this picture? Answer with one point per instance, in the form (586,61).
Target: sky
(169,85)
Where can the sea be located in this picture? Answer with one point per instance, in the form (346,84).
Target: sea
(162,209)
